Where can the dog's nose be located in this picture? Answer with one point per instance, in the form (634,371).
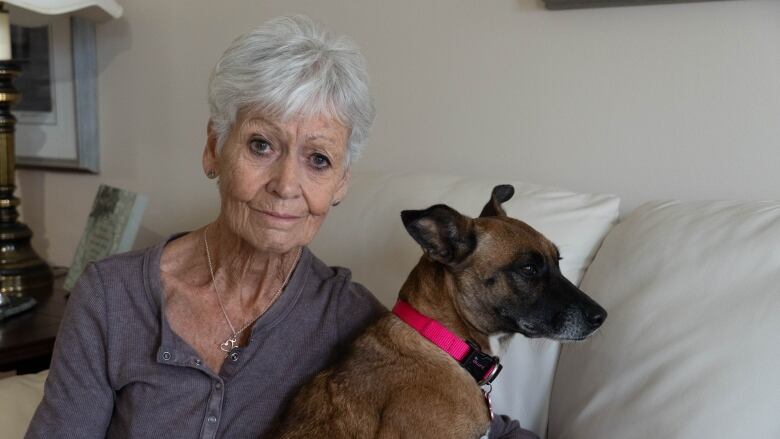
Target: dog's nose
(596,317)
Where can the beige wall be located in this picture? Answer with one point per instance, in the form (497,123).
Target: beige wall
(646,102)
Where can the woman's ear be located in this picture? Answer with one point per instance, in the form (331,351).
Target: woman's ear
(343,186)
(210,159)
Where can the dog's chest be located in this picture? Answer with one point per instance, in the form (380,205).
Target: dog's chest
(489,405)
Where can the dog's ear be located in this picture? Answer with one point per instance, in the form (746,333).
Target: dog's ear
(445,235)
(501,193)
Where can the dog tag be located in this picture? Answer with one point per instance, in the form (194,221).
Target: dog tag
(489,403)
(486,389)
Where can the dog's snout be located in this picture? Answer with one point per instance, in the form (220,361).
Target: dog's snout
(596,317)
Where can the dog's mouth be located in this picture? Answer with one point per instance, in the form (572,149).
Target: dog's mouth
(511,323)
(569,324)
(563,328)
(529,330)
(580,337)
(566,333)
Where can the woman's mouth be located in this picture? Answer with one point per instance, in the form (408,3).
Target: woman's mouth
(282,219)
(280,215)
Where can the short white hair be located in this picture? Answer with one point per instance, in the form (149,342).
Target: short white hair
(290,67)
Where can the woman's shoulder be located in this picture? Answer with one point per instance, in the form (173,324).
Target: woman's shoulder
(338,278)
(127,265)
(121,276)
(352,297)
(130,261)
(323,271)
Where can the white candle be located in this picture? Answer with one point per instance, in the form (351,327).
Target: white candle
(5,37)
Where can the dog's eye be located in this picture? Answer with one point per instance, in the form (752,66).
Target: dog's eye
(529,270)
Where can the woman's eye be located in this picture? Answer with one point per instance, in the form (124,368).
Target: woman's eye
(320,161)
(260,146)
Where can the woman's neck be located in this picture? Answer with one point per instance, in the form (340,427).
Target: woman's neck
(239,268)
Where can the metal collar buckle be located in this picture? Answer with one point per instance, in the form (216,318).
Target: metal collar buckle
(483,367)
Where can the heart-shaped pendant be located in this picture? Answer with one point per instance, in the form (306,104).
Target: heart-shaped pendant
(228,344)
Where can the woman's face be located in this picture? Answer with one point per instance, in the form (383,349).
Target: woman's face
(277,180)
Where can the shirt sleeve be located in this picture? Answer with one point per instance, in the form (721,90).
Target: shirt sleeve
(504,427)
(78,400)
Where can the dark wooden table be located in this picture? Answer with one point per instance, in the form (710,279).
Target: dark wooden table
(27,339)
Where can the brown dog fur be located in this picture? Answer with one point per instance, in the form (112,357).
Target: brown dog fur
(393,383)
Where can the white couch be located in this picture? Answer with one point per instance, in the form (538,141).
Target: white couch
(691,347)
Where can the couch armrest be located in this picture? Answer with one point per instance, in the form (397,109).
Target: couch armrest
(19,397)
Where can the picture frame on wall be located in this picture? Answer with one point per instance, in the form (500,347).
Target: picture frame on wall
(57,124)
(579,4)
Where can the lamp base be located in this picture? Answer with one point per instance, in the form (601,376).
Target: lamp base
(21,270)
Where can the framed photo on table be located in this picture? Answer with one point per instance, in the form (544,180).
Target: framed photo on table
(57,125)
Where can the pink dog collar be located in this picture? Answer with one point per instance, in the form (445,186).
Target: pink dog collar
(483,367)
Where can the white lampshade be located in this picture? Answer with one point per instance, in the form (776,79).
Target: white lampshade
(34,12)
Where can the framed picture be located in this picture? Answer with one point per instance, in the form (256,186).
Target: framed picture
(577,4)
(57,125)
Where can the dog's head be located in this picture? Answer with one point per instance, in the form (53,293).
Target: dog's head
(506,274)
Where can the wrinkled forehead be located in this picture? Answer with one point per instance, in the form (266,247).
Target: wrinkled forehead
(286,112)
(501,240)
(317,120)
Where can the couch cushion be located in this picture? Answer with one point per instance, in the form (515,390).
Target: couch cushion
(365,233)
(691,345)
(19,397)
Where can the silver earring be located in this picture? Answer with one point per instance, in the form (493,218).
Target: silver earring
(211,174)
(336,203)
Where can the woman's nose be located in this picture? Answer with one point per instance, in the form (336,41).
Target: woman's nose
(285,179)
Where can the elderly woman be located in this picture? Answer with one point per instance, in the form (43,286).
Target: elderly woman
(209,333)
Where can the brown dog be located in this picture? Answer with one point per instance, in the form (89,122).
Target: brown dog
(478,277)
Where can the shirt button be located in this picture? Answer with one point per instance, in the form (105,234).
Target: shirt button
(234,357)
(212,419)
(218,386)
(166,356)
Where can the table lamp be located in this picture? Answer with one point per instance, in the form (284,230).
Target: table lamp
(22,271)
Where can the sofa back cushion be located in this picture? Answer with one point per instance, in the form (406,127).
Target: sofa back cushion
(365,233)
(691,347)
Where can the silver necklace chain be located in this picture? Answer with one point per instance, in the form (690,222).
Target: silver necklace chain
(232,341)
